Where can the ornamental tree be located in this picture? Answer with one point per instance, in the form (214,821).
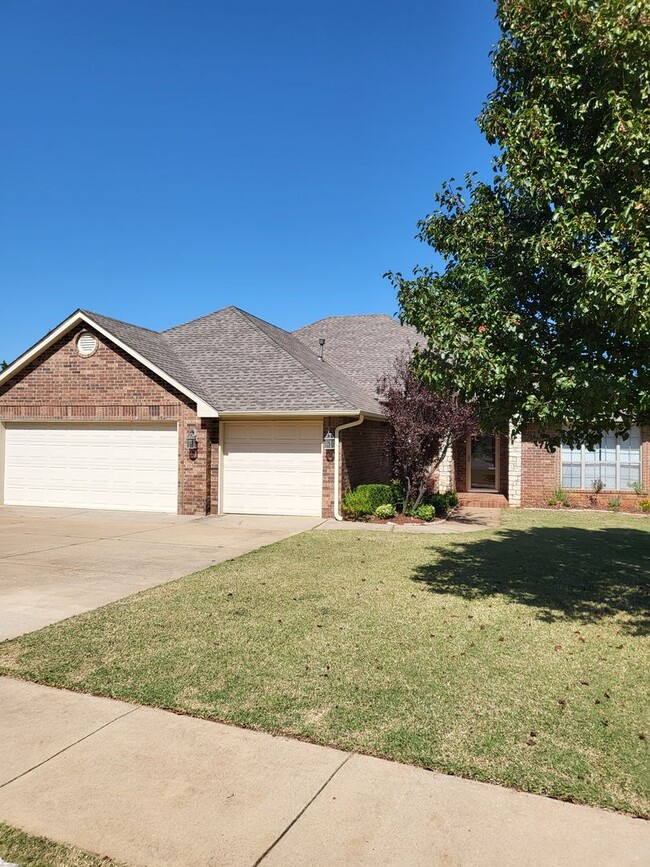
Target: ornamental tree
(423,425)
(541,313)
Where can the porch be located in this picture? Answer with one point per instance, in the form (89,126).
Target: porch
(485,471)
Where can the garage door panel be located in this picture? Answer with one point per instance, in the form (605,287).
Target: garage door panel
(131,467)
(272,468)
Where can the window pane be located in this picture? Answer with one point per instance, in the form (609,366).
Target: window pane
(569,454)
(630,473)
(590,456)
(608,475)
(571,476)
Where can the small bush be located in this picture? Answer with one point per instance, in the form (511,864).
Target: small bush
(397,493)
(597,485)
(614,504)
(638,489)
(559,497)
(425,512)
(644,505)
(364,499)
(442,503)
(386,510)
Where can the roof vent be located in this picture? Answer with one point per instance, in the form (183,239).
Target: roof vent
(321,343)
(86,344)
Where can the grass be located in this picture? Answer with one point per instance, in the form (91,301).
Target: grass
(23,849)
(516,655)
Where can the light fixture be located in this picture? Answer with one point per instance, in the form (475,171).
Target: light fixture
(329,441)
(192,442)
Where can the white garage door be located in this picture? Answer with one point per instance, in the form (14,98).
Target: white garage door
(272,468)
(131,467)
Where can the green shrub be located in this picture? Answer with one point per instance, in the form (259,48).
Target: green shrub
(397,493)
(442,503)
(559,497)
(638,488)
(364,499)
(614,504)
(386,510)
(644,505)
(425,512)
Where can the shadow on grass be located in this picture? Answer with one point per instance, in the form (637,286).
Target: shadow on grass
(564,572)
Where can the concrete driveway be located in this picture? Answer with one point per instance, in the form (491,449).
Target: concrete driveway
(55,563)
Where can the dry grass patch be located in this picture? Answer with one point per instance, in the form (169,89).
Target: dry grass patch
(27,850)
(516,655)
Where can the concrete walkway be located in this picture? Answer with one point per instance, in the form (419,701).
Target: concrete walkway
(153,789)
(55,563)
(460,521)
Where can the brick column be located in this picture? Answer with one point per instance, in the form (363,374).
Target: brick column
(514,470)
(446,471)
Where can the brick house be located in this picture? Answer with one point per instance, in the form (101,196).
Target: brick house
(230,414)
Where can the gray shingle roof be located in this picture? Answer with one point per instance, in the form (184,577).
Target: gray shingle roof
(363,347)
(239,363)
(151,346)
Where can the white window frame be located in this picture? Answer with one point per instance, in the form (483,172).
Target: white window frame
(582,463)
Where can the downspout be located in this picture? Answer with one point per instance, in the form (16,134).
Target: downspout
(337,462)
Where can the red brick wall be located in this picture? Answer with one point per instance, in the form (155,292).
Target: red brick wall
(363,458)
(541,474)
(110,386)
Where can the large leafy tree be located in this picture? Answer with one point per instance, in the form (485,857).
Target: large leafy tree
(542,311)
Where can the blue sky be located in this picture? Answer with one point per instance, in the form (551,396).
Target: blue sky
(161,160)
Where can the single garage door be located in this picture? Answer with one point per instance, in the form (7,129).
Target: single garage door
(272,468)
(131,467)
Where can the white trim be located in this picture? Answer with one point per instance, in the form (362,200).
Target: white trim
(203,409)
(497,466)
(337,460)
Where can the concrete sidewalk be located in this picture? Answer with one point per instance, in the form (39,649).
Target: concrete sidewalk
(153,789)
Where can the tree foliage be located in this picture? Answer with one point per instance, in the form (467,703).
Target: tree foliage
(542,312)
(423,425)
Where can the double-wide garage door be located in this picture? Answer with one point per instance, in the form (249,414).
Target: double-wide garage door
(272,468)
(92,466)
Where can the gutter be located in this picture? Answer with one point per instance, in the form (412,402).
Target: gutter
(337,462)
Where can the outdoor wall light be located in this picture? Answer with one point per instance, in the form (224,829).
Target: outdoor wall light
(192,442)
(329,441)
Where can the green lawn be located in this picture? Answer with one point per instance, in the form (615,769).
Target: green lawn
(28,851)
(516,655)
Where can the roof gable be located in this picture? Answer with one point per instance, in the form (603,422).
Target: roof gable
(248,365)
(132,340)
(362,347)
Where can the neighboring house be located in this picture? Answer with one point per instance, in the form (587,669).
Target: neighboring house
(229,414)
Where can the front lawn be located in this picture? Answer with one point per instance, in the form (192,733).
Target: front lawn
(516,655)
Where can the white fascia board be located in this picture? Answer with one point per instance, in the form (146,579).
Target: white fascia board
(203,409)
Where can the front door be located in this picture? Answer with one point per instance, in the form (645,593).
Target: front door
(482,463)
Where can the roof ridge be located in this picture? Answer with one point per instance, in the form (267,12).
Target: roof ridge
(249,317)
(199,318)
(121,321)
(349,316)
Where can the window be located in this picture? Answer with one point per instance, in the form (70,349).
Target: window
(615,462)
